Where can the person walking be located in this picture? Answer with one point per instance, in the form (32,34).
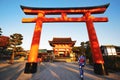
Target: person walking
(39,60)
(81,62)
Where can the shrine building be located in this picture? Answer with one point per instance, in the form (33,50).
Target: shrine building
(62,47)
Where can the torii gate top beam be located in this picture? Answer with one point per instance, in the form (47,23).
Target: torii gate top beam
(72,10)
(86,11)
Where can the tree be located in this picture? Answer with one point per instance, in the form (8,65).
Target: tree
(15,41)
(83,47)
(0,31)
(20,51)
(88,52)
(77,51)
(4,42)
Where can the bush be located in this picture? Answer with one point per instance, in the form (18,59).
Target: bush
(112,62)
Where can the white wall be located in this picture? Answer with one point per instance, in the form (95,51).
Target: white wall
(111,50)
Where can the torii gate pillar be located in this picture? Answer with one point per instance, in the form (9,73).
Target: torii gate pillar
(31,65)
(99,66)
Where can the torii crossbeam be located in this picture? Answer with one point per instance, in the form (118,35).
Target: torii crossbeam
(31,65)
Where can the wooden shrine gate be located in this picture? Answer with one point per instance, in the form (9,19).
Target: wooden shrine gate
(31,65)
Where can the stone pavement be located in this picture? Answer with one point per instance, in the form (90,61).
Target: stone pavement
(65,71)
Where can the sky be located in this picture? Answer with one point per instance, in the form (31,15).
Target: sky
(108,33)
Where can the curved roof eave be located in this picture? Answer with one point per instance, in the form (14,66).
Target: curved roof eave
(63,8)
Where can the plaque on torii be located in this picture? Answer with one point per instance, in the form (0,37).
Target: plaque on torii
(88,18)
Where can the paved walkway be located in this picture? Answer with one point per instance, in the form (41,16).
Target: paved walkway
(3,63)
(65,71)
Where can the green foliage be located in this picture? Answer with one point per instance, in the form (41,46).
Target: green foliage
(77,51)
(83,47)
(14,44)
(16,39)
(88,52)
(10,45)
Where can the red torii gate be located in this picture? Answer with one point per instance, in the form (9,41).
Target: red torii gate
(31,65)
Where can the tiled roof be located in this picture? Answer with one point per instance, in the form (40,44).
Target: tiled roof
(62,41)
